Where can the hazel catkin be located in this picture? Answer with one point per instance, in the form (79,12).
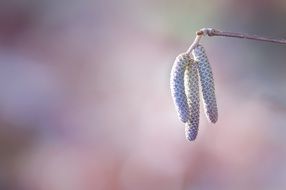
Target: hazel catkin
(178,87)
(206,82)
(193,98)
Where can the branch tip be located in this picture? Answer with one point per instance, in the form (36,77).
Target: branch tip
(214,32)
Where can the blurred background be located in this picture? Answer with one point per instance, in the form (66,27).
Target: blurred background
(85,102)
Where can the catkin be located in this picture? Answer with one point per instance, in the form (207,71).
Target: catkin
(191,131)
(178,87)
(193,98)
(207,83)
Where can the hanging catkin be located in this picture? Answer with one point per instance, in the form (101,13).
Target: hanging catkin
(178,87)
(207,83)
(192,92)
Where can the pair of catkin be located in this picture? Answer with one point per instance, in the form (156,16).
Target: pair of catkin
(188,75)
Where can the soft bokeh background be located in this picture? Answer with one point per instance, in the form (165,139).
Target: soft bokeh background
(85,100)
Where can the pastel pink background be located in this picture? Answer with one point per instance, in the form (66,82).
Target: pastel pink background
(85,102)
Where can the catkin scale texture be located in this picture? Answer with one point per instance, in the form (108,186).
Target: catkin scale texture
(193,98)
(191,131)
(207,83)
(178,87)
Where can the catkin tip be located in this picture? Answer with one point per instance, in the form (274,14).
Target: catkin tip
(213,120)
(191,129)
(191,133)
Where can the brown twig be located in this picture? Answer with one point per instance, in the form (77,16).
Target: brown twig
(194,44)
(214,32)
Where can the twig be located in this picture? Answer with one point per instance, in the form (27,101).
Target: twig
(214,32)
(193,45)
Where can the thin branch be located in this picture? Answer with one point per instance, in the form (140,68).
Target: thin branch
(214,32)
(194,44)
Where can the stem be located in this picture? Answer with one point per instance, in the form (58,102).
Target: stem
(196,42)
(214,32)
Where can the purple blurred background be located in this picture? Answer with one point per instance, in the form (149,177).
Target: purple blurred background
(85,102)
